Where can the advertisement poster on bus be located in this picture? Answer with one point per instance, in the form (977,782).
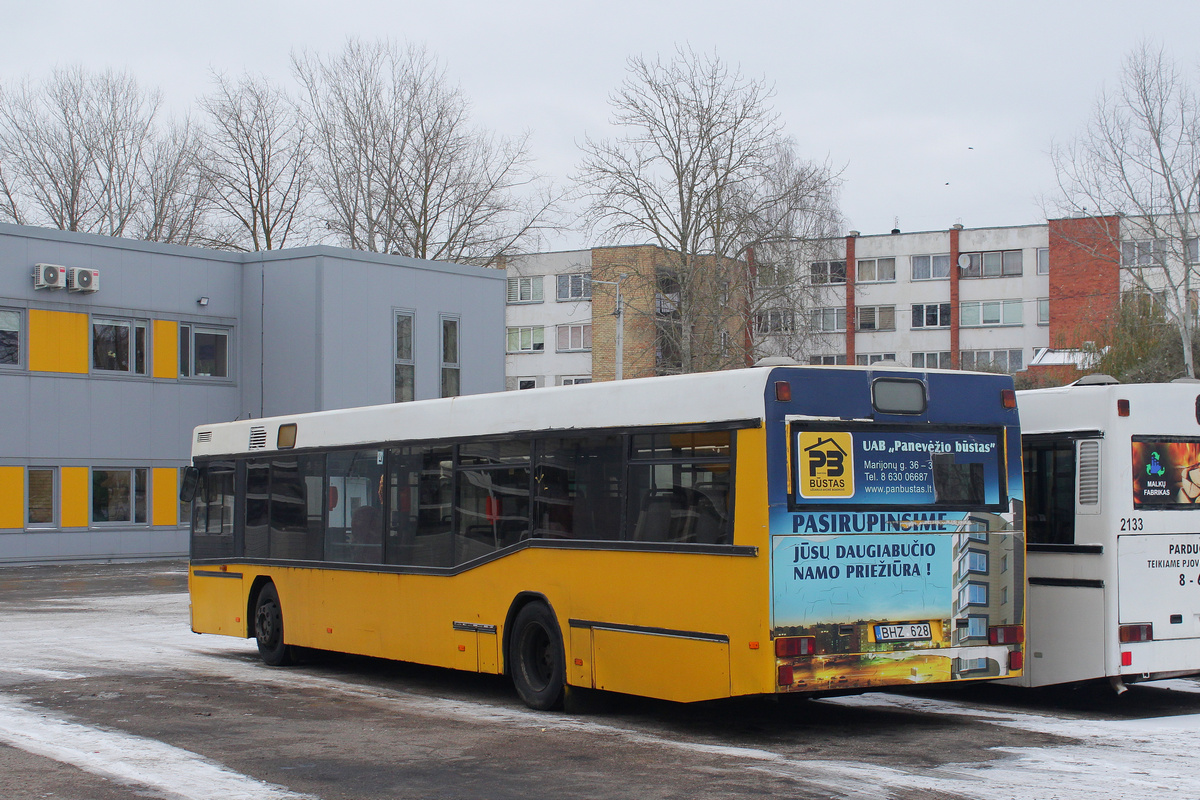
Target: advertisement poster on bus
(1166,473)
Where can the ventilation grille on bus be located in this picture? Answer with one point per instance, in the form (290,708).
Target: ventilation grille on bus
(1089,473)
(258,438)
(204,436)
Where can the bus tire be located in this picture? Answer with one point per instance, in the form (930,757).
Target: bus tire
(268,628)
(536,652)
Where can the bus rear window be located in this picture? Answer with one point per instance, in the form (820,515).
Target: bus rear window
(898,396)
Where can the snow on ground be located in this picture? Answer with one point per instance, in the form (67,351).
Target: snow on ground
(147,634)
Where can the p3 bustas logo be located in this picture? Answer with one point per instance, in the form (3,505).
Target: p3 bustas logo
(826,464)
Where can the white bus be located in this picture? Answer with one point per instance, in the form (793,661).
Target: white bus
(1112,483)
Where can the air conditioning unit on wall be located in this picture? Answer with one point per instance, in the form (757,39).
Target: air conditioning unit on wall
(49,276)
(80,279)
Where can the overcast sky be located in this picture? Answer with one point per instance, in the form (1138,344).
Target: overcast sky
(936,112)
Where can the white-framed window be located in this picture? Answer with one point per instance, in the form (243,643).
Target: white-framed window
(828,360)
(1043,305)
(993,264)
(525,289)
(931,315)
(772,275)
(992,360)
(40,490)
(10,337)
(404,383)
(973,594)
(867,359)
(1143,252)
(973,664)
(938,360)
(203,351)
(980,313)
(120,345)
(119,494)
(876,318)
(822,272)
(526,339)
(829,320)
(576,286)
(573,338)
(575,380)
(526,383)
(775,321)
(1043,261)
(1191,250)
(451,375)
(977,628)
(930,267)
(875,270)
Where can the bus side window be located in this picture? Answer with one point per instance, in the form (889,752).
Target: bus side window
(420,481)
(679,487)
(1050,491)
(212,524)
(577,483)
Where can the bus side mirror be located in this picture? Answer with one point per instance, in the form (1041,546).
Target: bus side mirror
(191,480)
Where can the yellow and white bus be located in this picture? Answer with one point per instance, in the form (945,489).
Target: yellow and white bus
(758,531)
(1112,473)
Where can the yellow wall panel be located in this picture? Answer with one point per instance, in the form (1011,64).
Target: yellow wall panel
(74,497)
(12,497)
(166,352)
(164,485)
(58,341)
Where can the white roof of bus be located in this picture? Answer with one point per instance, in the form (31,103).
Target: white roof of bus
(1154,408)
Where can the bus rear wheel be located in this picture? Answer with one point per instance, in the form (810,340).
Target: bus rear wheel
(538,670)
(268,628)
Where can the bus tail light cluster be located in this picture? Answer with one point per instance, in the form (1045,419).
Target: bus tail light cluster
(1008,398)
(791,646)
(1136,633)
(1016,661)
(1006,634)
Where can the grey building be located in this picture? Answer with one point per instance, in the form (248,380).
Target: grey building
(112,350)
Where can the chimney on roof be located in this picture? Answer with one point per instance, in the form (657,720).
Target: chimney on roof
(895,230)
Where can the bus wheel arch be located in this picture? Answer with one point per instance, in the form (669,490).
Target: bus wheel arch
(535,653)
(267,624)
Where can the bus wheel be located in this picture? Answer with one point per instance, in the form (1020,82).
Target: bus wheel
(268,628)
(537,658)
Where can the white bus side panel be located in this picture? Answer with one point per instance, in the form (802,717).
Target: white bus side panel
(1064,646)
(1159,579)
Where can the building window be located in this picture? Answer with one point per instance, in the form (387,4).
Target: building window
(925,268)
(977,627)
(450,370)
(1143,253)
(776,321)
(773,275)
(867,359)
(992,264)
(575,287)
(405,364)
(939,360)
(973,594)
(829,320)
(525,290)
(203,352)
(528,339)
(40,491)
(931,315)
(821,272)
(1191,250)
(1043,310)
(574,338)
(1043,261)
(119,495)
(975,314)
(829,360)
(120,345)
(876,318)
(526,383)
(991,360)
(576,380)
(974,562)
(10,338)
(876,270)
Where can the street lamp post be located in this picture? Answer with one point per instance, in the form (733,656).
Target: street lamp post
(619,313)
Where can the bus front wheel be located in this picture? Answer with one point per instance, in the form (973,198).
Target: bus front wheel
(537,658)
(268,628)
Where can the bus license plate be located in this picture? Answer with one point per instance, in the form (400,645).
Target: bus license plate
(904,632)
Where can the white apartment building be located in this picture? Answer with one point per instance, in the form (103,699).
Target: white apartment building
(548,336)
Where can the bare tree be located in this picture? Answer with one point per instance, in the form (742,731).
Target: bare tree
(256,161)
(1139,159)
(177,195)
(73,150)
(702,169)
(401,168)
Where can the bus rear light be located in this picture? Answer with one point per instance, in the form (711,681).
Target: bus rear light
(1006,634)
(791,646)
(1016,661)
(783,391)
(785,675)
(1122,408)
(1135,633)
(1126,658)
(1008,398)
